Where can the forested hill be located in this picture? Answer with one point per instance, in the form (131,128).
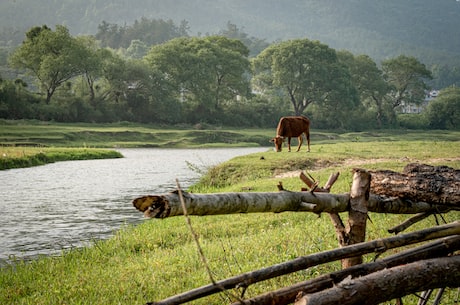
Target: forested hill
(428,29)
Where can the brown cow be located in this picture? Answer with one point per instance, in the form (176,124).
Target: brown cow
(291,126)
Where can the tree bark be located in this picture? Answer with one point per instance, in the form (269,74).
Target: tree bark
(287,295)
(390,283)
(168,205)
(420,182)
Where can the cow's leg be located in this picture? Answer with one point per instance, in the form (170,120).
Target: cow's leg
(289,144)
(308,139)
(300,139)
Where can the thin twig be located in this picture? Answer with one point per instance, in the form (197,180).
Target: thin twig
(200,250)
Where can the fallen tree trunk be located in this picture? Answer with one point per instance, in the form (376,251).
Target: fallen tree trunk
(392,283)
(300,263)
(287,295)
(419,182)
(168,205)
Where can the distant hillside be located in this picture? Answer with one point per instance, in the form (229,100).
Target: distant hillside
(428,29)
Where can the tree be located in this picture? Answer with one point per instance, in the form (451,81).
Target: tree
(91,63)
(254,44)
(137,49)
(368,80)
(149,31)
(406,76)
(204,72)
(444,111)
(445,76)
(307,72)
(15,100)
(53,57)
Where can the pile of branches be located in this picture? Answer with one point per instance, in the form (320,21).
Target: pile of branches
(426,267)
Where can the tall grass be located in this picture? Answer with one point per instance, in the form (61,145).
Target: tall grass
(159,258)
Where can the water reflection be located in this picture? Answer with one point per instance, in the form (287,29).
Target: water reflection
(48,208)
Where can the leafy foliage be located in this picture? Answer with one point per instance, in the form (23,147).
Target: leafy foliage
(444,112)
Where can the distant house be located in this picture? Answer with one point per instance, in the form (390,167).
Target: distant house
(418,108)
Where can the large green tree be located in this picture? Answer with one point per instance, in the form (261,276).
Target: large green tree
(372,88)
(52,57)
(407,76)
(307,72)
(204,72)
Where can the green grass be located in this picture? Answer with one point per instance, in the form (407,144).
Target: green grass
(34,133)
(31,133)
(158,258)
(262,171)
(19,157)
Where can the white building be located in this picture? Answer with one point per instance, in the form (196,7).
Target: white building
(418,108)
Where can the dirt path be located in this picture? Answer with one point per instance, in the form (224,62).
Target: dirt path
(358,162)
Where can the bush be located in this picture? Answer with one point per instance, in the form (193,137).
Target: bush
(412,121)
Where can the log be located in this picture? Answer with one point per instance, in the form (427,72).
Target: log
(419,182)
(391,283)
(168,205)
(300,263)
(287,295)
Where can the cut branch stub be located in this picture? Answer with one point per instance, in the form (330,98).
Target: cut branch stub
(153,206)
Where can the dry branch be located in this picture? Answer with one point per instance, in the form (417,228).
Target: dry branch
(380,245)
(391,283)
(420,182)
(287,295)
(406,224)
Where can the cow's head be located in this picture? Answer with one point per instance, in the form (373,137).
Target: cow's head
(278,140)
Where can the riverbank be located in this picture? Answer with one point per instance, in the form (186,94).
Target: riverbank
(29,143)
(19,157)
(126,135)
(158,258)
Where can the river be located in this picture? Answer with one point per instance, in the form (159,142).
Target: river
(49,208)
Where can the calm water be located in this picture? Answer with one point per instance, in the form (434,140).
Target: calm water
(62,205)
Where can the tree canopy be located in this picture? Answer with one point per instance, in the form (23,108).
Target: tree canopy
(211,79)
(204,72)
(406,75)
(306,72)
(53,57)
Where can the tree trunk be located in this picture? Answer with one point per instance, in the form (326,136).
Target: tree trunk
(392,283)
(420,182)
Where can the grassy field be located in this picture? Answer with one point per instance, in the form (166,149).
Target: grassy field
(159,258)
